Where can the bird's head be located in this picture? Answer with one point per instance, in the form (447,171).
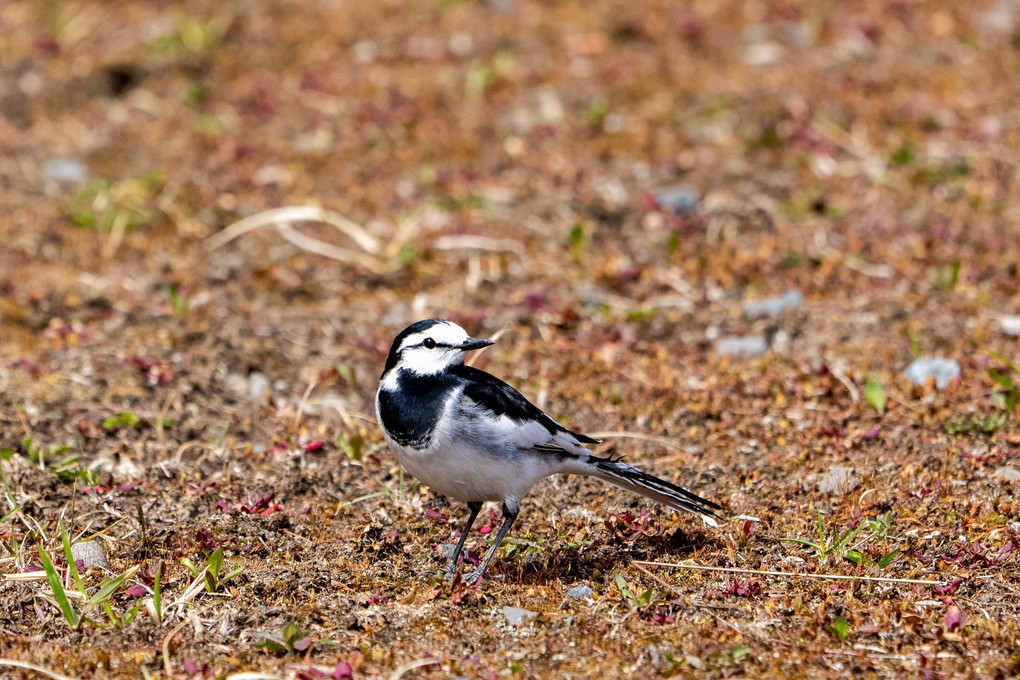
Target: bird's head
(431,346)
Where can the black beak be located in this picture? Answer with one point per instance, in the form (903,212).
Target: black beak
(475,343)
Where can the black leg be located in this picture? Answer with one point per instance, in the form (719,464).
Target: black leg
(510,512)
(475,507)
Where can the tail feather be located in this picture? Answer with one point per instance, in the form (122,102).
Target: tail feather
(649,486)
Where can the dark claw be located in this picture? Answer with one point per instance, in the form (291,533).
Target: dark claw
(445,573)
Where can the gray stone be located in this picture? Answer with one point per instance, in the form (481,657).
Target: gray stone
(742,346)
(91,553)
(791,299)
(1010,325)
(254,386)
(840,480)
(579,592)
(1007,473)
(942,370)
(65,170)
(258,385)
(682,200)
(515,616)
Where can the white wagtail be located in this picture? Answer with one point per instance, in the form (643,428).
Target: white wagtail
(470,436)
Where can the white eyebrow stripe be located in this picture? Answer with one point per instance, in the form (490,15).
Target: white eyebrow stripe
(412,340)
(445,334)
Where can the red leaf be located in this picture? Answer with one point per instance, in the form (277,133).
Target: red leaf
(190,667)
(492,520)
(872,433)
(434,514)
(29,366)
(955,618)
(137,590)
(314,446)
(343,671)
(950,589)
(205,539)
(1003,552)
(261,505)
(270,510)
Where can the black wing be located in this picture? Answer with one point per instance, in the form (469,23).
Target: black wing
(503,400)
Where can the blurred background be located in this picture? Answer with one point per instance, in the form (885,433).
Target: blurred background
(716,223)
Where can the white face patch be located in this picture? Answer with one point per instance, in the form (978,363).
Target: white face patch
(443,333)
(447,336)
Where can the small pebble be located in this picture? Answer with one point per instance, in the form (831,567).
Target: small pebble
(1011,325)
(611,196)
(253,386)
(579,592)
(942,370)
(65,170)
(682,200)
(1007,473)
(91,553)
(791,299)
(839,480)
(515,616)
(743,346)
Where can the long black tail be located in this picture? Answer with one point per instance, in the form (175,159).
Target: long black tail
(667,493)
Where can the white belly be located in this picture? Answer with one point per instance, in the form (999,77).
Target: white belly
(467,474)
(472,458)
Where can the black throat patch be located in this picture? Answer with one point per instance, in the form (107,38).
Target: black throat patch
(410,412)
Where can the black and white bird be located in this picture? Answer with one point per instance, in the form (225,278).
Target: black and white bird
(472,437)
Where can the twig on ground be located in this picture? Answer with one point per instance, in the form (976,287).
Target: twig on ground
(317,247)
(408,667)
(166,648)
(474,242)
(297,213)
(636,435)
(117,231)
(32,667)
(839,375)
(301,404)
(282,218)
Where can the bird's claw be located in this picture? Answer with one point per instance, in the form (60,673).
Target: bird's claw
(443,574)
(474,577)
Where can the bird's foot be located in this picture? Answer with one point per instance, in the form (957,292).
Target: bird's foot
(443,574)
(474,577)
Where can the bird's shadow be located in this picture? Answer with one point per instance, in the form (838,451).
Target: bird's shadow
(612,555)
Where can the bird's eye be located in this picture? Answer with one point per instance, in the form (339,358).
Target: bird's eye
(428,343)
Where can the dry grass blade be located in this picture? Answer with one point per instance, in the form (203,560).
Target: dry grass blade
(166,647)
(408,667)
(317,247)
(636,435)
(26,576)
(473,242)
(194,589)
(306,213)
(11,663)
(791,574)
